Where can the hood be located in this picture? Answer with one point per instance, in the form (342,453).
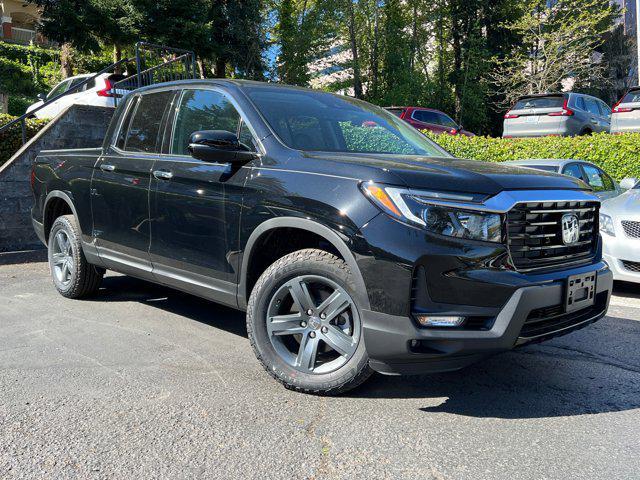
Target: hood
(445,173)
(627,204)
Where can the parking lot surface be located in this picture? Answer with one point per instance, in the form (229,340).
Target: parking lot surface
(146,382)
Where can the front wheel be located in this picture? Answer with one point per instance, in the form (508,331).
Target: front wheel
(305,326)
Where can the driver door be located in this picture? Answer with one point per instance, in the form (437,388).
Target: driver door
(195,204)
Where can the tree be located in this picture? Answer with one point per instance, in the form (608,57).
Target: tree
(558,45)
(89,24)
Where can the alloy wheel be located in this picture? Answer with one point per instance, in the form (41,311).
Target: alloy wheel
(62,261)
(313,324)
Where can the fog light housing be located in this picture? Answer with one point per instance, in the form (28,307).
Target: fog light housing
(440,321)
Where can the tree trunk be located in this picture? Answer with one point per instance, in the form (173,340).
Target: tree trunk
(414,36)
(221,67)
(357,80)
(374,55)
(65,60)
(117,56)
(201,71)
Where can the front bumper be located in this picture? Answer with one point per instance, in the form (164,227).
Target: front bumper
(619,248)
(388,338)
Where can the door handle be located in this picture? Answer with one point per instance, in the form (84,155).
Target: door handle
(105,167)
(163,174)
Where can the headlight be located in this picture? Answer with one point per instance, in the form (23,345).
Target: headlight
(424,209)
(606,224)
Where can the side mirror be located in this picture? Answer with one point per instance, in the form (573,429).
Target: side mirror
(42,96)
(218,146)
(628,183)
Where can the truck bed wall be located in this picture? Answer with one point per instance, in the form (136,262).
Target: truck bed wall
(80,126)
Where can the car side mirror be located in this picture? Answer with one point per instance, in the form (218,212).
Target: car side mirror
(218,146)
(42,96)
(628,183)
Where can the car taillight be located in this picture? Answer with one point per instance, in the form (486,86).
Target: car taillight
(107,90)
(32,177)
(618,109)
(454,131)
(510,115)
(565,112)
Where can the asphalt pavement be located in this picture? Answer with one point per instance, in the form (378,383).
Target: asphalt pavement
(146,382)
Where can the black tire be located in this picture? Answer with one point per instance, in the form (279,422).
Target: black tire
(81,278)
(308,262)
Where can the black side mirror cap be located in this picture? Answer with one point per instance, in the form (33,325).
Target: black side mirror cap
(218,146)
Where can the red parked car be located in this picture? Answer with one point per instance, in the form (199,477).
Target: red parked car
(429,119)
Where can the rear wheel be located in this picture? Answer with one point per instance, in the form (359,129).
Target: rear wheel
(305,326)
(72,276)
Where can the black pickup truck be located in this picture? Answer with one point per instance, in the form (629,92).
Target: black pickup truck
(353,242)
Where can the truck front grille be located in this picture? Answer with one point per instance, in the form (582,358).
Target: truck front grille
(534,234)
(631,228)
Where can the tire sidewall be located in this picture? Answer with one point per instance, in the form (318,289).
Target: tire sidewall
(63,223)
(265,350)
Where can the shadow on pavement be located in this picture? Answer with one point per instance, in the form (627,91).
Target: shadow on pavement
(596,371)
(593,371)
(123,288)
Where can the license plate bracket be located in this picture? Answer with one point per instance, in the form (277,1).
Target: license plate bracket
(580,292)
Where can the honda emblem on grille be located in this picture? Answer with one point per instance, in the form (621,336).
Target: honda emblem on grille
(570,229)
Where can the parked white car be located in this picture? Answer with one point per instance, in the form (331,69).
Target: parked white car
(603,185)
(98,91)
(620,229)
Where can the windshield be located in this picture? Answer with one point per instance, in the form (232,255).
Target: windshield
(316,121)
(539,102)
(633,96)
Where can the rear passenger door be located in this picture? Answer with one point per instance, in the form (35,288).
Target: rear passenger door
(598,123)
(195,204)
(120,184)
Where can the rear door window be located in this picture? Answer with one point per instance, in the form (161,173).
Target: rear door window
(202,110)
(144,132)
(592,106)
(580,103)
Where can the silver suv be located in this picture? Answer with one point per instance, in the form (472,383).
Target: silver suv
(561,114)
(626,113)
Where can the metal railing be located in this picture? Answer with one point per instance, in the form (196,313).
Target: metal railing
(177,64)
(182,65)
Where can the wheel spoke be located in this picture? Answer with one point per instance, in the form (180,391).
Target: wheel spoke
(58,258)
(285,324)
(306,358)
(70,264)
(335,304)
(65,271)
(300,294)
(339,341)
(61,243)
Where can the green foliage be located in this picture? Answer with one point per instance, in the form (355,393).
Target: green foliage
(16,78)
(21,53)
(11,140)
(18,104)
(618,155)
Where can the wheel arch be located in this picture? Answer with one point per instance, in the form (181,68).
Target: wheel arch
(55,203)
(304,225)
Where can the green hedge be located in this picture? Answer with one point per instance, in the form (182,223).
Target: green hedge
(618,155)
(11,140)
(16,78)
(23,53)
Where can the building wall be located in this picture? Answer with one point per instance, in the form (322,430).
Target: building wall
(16,14)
